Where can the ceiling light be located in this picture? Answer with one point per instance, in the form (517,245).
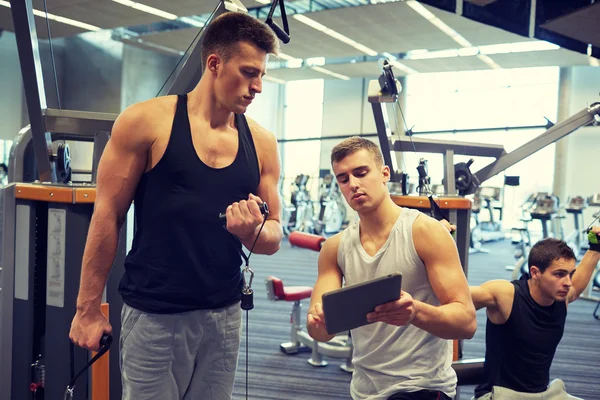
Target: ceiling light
(336,35)
(403,67)
(192,21)
(594,62)
(147,9)
(491,63)
(58,18)
(331,73)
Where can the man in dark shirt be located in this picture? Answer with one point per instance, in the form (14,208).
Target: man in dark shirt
(185,159)
(526,320)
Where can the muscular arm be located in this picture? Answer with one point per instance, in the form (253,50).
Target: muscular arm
(123,162)
(492,294)
(269,239)
(455,317)
(583,274)
(329,278)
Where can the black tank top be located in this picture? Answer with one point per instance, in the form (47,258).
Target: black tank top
(519,352)
(182,258)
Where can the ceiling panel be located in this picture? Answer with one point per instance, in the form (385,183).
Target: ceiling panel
(370,69)
(307,42)
(446,64)
(106,14)
(391,27)
(56,28)
(54,4)
(177,40)
(551,58)
(294,74)
(191,7)
(477,33)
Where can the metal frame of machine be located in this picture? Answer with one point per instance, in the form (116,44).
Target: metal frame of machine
(458,179)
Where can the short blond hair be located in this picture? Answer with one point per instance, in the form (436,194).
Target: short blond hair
(354,144)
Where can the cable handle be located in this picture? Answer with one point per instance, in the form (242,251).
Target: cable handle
(105,343)
(264,210)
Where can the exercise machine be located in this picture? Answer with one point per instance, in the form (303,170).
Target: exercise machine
(46,216)
(300,341)
(332,208)
(490,229)
(575,206)
(301,218)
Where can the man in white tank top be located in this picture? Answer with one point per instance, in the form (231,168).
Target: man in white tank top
(406,351)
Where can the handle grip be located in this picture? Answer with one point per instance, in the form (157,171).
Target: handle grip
(264,209)
(106,341)
(281,34)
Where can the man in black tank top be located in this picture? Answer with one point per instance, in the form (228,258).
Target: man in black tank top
(183,160)
(526,319)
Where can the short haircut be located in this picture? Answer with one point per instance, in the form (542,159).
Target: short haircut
(354,144)
(546,251)
(224,33)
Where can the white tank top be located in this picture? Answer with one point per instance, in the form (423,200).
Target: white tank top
(389,359)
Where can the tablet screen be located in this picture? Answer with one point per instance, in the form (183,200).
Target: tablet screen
(347,308)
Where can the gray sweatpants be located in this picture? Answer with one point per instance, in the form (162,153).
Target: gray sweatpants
(556,391)
(191,355)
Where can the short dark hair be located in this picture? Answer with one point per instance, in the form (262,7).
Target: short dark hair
(354,144)
(224,33)
(544,252)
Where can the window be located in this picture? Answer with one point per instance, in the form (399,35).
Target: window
(486,99)
(303,119)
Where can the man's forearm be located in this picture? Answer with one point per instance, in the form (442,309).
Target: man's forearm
(99,255)
(449,321)
(585,270)
(269,238)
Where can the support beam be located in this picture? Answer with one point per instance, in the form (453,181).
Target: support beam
(558,131)
(33,81)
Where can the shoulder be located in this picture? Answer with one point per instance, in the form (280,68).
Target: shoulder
(499,287)
(263,138)
(426,229)
(140,120)
(332,244)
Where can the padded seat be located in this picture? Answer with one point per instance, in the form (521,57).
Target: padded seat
(289,293)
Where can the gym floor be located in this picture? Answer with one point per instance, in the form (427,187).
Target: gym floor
(274,375)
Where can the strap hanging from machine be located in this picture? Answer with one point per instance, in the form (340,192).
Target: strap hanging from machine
(282,34)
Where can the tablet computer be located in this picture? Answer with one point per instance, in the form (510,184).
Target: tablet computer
(347,308)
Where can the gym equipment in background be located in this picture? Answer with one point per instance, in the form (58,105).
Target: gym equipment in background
(575,206)
(457,178)
(301,218)
(300,341)
(332,207)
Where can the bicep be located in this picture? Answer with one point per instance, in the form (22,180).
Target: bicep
(269,177)
(329,274)
(440,256)
(122,163)
(482,297)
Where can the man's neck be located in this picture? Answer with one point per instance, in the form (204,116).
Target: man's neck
(538,296)
(381,219)
(202,104)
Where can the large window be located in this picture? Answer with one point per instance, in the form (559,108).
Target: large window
(481,99)
(486,99)
(303,119)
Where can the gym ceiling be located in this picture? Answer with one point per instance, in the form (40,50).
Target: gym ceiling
(341,39)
